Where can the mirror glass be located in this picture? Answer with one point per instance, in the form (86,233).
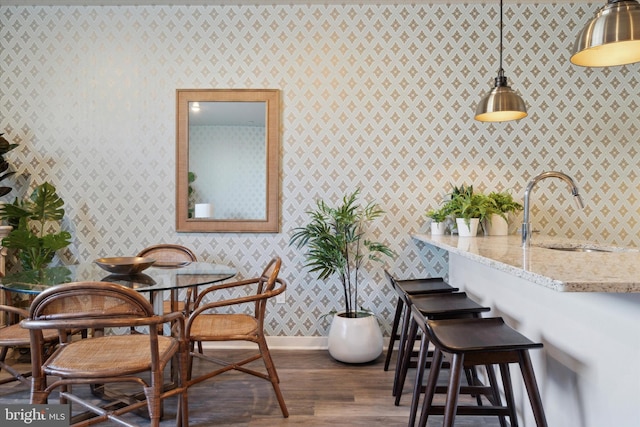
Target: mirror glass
(228,160)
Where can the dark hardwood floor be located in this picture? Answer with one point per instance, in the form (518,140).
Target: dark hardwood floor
(319,391)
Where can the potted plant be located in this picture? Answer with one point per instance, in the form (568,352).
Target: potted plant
(336,238)
(29,218)
(438,218)
(5,173)
(497,223)
(469,209)
(5,147)
(191,177)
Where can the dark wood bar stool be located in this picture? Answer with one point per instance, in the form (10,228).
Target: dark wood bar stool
(423,286)
(447,306)
(473,342)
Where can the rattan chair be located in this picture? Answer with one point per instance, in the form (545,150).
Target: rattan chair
(100,360)
(208,322)
(173,256)
(14,336)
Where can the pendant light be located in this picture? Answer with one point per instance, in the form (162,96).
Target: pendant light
(502,103)
(611,38)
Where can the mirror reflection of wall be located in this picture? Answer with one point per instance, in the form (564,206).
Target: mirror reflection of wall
(227,154)
(230,168)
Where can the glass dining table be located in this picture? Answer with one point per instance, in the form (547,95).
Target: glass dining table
(155,280)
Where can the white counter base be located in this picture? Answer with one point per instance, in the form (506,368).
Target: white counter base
(589,369)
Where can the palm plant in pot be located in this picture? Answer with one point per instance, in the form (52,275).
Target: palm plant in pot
(336,238)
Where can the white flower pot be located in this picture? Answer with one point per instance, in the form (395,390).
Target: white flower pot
(437,228)
(355,340)
(467,230)
(5,230)
(497,226)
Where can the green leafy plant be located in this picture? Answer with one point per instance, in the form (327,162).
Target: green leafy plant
(504,203)
(336,243)
(5,147)
(437,215)
(191,177)
(30,219)
(465,203)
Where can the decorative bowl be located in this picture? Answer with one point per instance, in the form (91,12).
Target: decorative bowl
(125,265)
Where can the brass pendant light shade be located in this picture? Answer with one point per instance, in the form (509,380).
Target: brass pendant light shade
(502,103)
(611,38)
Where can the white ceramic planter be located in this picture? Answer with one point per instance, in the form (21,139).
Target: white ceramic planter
(467,230)
(497,226)
(5,230)
(438,228)
(355,340)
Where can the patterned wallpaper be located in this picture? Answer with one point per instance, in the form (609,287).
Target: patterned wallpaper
(379,97)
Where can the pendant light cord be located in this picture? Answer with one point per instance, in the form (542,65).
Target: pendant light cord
(501,80)
(501,71)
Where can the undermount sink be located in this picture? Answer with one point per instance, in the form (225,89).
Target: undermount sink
(584,247)
(579,249)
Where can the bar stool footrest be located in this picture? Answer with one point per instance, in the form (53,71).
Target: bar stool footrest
(472,410)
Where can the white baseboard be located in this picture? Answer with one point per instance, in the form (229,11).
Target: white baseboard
(278,343)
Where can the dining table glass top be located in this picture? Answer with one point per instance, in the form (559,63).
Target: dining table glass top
(152,279)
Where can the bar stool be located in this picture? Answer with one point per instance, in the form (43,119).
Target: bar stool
(446,306)
(473,342)
(423,286)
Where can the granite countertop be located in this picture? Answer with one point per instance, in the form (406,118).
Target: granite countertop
(612,269)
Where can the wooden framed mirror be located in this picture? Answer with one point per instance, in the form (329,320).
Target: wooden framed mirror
(228,160)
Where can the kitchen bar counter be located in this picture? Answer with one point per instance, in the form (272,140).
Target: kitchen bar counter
(610,269)
(584,307)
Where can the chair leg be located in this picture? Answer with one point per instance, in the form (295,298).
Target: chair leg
(273,375)
(532,388)
(508,394)
(3,354)
(394,333)
(417,386)
(430,390)
(401,374)
(402,344)
(15,375)
(472,379)
(453,389)
(182,417)
(190,361)
(154,403)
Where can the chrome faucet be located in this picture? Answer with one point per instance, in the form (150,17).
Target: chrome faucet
(526,225)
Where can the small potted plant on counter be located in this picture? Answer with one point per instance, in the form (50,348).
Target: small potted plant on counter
(469,209)
(497,223)
(438,221)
